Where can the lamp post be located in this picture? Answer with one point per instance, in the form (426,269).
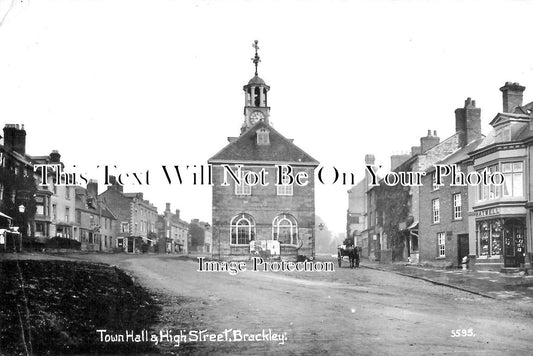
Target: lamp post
(320,227)
(22,209)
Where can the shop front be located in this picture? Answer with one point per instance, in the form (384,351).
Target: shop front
(500,240)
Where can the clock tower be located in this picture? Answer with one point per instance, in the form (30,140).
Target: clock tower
(248,217)
(255,98)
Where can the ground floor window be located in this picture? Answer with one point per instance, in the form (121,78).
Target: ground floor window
(414,243)
(285,229)
(441,244)
(64,231)
(490,239)
(40,229)
(242,229)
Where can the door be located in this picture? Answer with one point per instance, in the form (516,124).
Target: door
(131,246)
(514,247)
(463,249)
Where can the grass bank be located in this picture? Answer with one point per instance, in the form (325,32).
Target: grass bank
(55,307)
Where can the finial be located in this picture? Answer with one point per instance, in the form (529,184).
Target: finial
(256,59)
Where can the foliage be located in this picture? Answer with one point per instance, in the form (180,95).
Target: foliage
(348,241)
(25,189)
(393,206)
(197,235)
(63,242)
(63,303)
(324,240)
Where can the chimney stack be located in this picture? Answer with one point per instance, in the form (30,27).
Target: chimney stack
(15,138)
(512,96)
(114,183)
(167,208)
(55,157)
(468,122)
(397,159)
(178,213)
(428,142)
(370,159)
(92,188)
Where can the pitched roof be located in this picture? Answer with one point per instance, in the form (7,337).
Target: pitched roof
(246,149)
(458,155)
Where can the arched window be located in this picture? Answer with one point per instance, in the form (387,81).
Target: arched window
(285,229)
(257,97)
(242,229)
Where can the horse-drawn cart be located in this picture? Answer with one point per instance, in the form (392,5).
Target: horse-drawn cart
(352,252)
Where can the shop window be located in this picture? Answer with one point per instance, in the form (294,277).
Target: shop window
(490,238)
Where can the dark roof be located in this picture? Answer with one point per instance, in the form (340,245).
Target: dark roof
(280,149)
(524,133)
(459,155)
(256,80)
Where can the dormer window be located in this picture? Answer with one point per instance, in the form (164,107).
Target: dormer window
(504,134)
(263,137)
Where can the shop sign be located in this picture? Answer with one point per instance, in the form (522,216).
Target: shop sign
(488,212)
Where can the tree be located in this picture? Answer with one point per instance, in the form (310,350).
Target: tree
(197,235)
(18,189)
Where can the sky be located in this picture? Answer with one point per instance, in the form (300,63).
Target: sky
(141,84)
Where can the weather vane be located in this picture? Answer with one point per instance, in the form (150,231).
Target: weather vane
(256,59)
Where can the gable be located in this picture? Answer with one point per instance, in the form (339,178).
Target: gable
(246,149)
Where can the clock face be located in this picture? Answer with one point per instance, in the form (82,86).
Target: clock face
(256,116)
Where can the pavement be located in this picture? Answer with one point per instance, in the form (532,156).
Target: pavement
(489,284)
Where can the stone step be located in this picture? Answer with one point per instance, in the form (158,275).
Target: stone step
(510,270)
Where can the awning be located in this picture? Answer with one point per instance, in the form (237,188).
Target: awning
(414,225)
(5,216)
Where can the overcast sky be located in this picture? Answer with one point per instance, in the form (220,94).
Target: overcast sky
(139,84)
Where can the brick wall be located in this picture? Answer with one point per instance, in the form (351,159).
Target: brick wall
(264,205)
(448,225)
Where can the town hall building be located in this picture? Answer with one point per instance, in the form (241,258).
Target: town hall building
(275,220)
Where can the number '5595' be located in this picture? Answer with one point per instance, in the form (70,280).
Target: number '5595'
(463,333)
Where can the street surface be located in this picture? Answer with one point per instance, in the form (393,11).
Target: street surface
(349,311)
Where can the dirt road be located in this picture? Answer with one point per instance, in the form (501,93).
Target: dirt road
(348,311)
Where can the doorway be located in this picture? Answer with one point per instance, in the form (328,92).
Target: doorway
(514,247)
(463,248)
(131,244)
